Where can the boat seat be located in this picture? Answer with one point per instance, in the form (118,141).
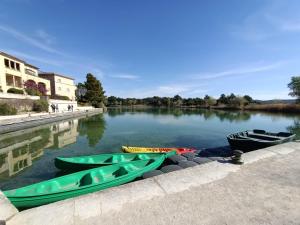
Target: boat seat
(264,137)
(86,180)
(120,172)
(109,160)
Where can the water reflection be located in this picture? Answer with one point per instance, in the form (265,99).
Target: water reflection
(222,115)
(295,128)
(93,128)
(27,156)
(19,149)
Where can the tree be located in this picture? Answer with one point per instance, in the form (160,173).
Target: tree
(223,99)
(238,102)
(209,101)
(177,100)
(94,91)
(112,100)
(80,92)
(294,85)
(248,98)
(231,96)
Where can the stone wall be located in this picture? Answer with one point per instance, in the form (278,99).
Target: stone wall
(20,104)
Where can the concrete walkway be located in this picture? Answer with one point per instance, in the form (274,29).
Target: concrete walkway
(265,190)
(19,122)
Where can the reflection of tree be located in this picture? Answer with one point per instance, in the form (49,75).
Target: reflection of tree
(93,127)
(233,116)
(223,115)
(295,128)
(113,112)
(177,112)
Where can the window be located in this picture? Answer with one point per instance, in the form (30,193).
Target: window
(9,80)
(18,82)
(18,66)
(6,62)
(59,80)
(12,64)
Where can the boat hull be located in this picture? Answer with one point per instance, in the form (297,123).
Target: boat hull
(92,161)
(157,150)
(252,140)
(80,183)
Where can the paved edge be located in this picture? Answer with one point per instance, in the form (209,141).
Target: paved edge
(92,205)
(41,121)
(7,210)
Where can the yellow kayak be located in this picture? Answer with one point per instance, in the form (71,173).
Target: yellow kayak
(153,150)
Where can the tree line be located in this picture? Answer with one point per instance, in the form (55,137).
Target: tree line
(231,100)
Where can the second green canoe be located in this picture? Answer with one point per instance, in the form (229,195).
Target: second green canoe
(92,161)
(83,182)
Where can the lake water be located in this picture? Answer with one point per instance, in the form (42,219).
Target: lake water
(27,156)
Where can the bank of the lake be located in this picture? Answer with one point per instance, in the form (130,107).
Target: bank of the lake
(274,107)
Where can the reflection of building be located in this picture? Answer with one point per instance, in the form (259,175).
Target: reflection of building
(63,134)
(18,151)
(14,72)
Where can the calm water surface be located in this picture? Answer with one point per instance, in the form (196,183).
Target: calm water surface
(27,156)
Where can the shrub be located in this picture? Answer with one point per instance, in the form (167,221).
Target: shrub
(40,106)
(33,92)
(6,109)
(60,97)
(15,91)
(35,89)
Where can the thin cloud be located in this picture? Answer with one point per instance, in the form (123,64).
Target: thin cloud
(274,19)
(29,40)
(167,90)
(239,71)
(172,89)
(125,76)
(44,36)
(97,72)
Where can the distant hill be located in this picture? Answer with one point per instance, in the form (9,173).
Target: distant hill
(274,101)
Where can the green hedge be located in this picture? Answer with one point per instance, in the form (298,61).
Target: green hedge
(15,91)
(6,109)
(40,106)
(33,92)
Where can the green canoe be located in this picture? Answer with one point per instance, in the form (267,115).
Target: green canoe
(92,161)
(83,182)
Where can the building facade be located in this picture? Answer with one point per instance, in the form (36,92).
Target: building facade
(14,72)
(60,85)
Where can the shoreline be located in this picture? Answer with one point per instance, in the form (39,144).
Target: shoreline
(274,108)
(8,125)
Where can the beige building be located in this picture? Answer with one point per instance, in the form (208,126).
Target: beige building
(14,72)
(60,85)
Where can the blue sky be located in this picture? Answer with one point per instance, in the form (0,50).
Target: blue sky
(140,48)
